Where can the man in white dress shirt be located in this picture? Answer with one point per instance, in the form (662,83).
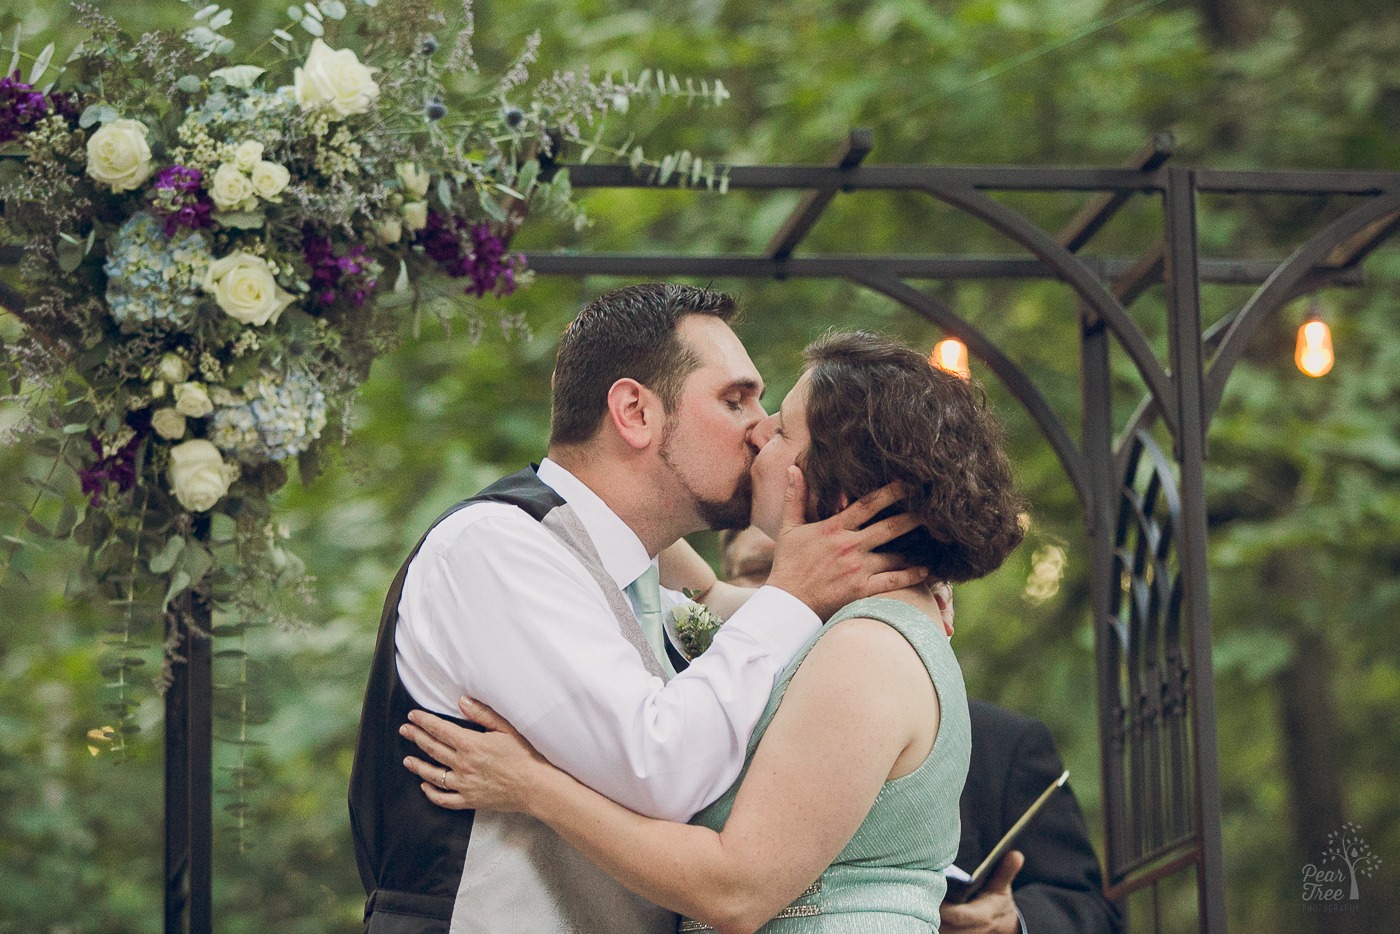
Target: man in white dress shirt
(538,597)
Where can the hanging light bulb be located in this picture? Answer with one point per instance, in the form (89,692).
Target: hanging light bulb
(1314,354)
(951,354)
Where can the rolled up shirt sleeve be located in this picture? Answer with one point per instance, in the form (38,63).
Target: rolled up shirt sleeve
(495,608)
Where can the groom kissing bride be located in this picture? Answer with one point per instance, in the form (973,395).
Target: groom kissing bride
(539,599)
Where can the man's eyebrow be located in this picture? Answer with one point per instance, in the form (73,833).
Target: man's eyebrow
(747,385)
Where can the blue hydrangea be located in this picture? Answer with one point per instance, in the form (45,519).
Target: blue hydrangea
(152,277)
(280,418)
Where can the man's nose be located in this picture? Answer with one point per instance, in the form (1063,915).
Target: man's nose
(758,435)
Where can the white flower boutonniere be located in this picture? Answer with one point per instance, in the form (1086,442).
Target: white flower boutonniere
(695,625)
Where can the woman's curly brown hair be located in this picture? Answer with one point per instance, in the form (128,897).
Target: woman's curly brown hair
(879,412)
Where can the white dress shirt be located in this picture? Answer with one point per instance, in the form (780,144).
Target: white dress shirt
(494,607)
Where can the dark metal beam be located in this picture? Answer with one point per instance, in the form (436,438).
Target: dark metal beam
(886,178)
(1000,178)
(1351,252)
(1103,206)
(1143,274)
(1188,385)
(809,210)
(948,268)
(1294,182)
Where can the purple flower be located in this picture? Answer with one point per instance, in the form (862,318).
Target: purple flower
(332,276)
(181,200)
(21,107)
(119,468)
(66,104)
(464,250)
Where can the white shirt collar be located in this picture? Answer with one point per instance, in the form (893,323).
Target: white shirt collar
(624,556)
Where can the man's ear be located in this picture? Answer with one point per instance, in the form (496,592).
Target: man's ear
(635,413)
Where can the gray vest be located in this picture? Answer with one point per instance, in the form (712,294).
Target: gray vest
(520,876)
(427,870)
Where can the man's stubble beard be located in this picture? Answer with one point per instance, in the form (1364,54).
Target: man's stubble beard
(718,515)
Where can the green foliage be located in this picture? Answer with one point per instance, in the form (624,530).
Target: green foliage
(1302,473)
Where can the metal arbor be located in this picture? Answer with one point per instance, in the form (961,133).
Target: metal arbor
(1144,502)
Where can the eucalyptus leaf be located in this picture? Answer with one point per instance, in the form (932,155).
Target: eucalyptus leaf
(196,561)
(444,192)
(392,299)
(221,19)
(67,519)
(333,9)
(491,206)
(207,12)
(14,52)
(242,76)
(240,220)
(178,585)
(190,84)
(165,560)
(41,64)
(70,255)
(529,175)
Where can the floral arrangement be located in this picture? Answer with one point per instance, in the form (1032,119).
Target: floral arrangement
(696,625)
(211,252)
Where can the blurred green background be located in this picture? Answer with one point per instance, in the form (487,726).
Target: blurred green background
(1304,498)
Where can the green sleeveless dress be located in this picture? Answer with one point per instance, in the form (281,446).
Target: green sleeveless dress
(889,878)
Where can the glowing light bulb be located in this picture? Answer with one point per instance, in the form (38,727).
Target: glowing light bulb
(951,354)
(1314,354)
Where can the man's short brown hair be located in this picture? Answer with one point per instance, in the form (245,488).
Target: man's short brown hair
(628,333)
(879,412)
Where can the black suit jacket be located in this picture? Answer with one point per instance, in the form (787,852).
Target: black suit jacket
(1060,888)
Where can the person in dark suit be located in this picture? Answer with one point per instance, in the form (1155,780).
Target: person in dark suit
(1050,884)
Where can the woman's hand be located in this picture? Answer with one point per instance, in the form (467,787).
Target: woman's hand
(496,770)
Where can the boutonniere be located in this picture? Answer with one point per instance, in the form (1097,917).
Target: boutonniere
(695,625)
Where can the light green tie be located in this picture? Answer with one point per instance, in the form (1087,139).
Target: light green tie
(646,592)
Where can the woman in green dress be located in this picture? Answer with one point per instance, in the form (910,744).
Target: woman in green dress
(846,811)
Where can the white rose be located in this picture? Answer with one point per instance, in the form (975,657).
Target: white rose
(118,155)
(334,79)
(415,180)
(157,389)
(231,189)
(415,215)
(173,368)
(245,289)
(169,424)
(269,179)
(198,475)
(193,400)
(248,154)
(388,229)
